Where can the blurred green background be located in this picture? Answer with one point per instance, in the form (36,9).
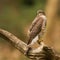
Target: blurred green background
(16,17)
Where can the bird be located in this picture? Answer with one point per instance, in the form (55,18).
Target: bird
(38,27)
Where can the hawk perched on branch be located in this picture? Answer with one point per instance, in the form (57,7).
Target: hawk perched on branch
(37,27)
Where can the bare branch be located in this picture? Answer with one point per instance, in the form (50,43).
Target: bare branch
(20,45)
(37,54)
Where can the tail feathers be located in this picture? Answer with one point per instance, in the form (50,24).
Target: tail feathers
(29,41)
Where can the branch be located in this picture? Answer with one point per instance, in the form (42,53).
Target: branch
(42,52)
(20,45)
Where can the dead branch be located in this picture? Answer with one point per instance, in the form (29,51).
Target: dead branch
(20,45)
(41,53)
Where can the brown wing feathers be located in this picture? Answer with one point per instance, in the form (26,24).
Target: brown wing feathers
(35,30)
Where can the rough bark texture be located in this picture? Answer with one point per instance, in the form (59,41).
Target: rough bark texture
(20,45)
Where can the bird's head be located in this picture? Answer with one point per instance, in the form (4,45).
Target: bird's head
(40,12)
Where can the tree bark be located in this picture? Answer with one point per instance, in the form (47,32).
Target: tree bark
(20,45)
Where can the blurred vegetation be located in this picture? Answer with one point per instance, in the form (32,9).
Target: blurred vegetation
(16,17)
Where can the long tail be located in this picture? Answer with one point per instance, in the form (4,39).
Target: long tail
(29,41)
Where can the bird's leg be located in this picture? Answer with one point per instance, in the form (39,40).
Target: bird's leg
(40,36)
(39,39)
(38,42)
